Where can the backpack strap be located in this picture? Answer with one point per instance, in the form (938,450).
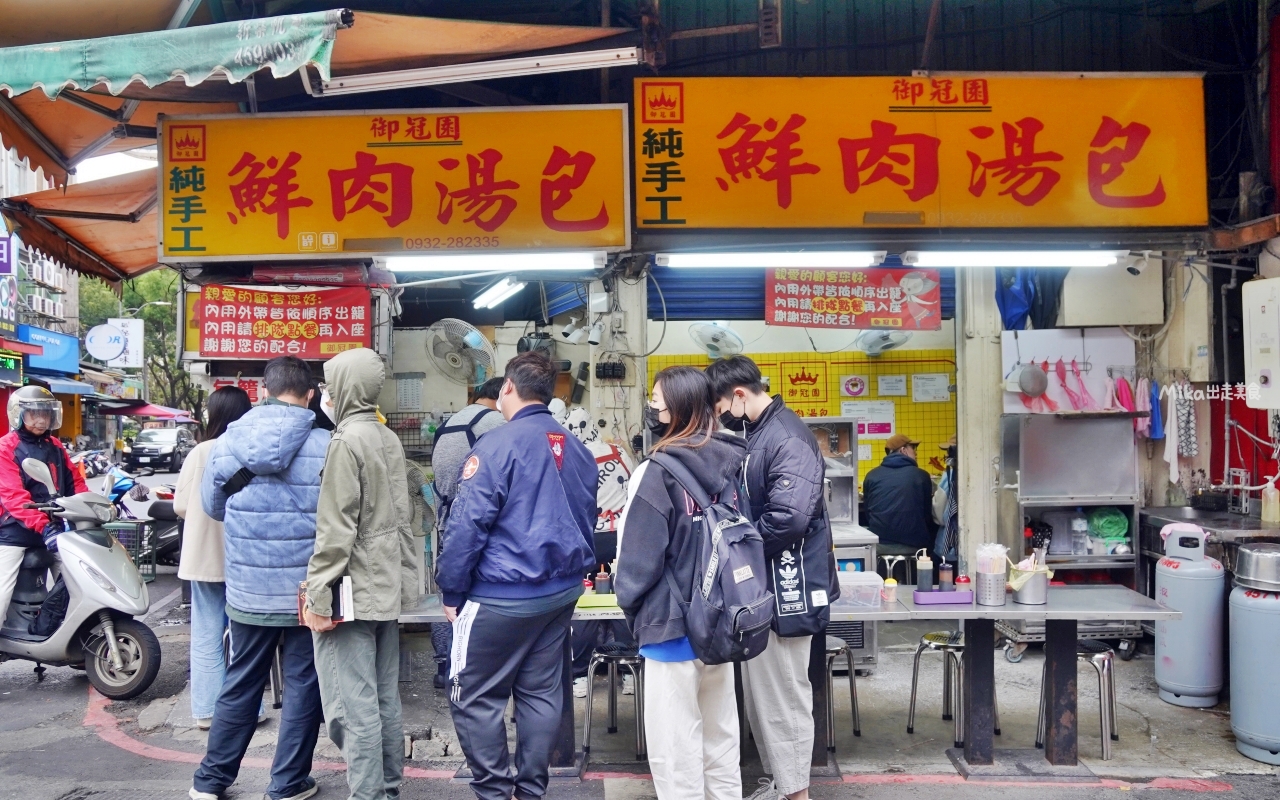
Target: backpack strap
(466,427)
(238,481)
(683,477)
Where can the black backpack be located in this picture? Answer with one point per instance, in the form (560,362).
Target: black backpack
(730,612)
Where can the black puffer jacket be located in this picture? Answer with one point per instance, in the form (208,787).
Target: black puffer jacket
(899,500)
(656,533)
(784,482)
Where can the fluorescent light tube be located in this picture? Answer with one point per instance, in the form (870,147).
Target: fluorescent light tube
(1012,258)
(495,262)
(498,293)
(808,258)
(485,70)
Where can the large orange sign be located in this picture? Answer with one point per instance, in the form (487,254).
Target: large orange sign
(946,150)
(327,185)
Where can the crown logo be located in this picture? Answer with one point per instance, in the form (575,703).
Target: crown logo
(662,101)
(803,378)
(187,142)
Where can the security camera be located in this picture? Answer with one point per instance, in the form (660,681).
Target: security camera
(567,330)
(1138,264)
(597,332)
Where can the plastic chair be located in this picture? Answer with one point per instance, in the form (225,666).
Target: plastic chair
(1102,659)
(951,645)
(615,656)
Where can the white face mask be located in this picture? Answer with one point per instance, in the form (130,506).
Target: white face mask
(326,405)
(498,402)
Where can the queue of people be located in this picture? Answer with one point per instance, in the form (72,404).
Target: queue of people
(526,516)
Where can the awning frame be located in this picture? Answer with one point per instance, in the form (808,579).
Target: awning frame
(108,270)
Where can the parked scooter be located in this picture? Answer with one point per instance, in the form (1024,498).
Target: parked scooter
(120,655)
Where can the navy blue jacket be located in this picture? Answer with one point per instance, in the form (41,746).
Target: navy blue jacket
(522,521)
(899,502)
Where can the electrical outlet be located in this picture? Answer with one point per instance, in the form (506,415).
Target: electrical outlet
(619,320)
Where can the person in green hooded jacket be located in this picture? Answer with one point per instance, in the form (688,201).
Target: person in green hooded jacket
(363,531)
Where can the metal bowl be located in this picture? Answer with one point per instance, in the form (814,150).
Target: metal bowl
(1258,567)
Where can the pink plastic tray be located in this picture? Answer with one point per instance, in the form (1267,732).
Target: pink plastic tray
(960,597)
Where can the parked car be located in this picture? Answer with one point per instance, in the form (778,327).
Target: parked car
(161,449)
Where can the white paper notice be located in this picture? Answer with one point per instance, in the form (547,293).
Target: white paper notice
(891,385)
(864,452)
(409,391)
(875,417)
(931,388)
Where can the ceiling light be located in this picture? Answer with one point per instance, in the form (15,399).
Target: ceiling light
(498,292)
(496,262)
(802,259)
(485,70)
(1012,258)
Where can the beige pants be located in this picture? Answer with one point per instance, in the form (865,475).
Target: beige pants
(10,561)
(691,722)
(779,701)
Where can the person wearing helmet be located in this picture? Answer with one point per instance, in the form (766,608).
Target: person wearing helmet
(34,414)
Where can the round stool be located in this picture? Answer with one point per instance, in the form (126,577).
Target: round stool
(837,647)
(1102,659)
(951,645)
(614,656)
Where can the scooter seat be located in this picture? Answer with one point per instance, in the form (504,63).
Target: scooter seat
(162,510)
(38,558)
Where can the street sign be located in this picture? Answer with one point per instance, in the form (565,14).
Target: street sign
(134,337)
(104,342)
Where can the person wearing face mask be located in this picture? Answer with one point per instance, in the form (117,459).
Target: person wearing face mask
(34,414)
(784,479)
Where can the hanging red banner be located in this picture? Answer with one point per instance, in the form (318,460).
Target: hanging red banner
(256,323)
(907,299)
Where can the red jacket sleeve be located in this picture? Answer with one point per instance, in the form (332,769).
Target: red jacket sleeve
(77,477)
(12,493)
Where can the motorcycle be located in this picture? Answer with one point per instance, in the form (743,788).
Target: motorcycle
(92,462)
(118,484)
(98,633)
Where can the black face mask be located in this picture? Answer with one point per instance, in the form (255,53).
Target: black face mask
(735,424)
(656,426)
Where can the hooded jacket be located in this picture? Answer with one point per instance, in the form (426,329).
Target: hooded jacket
(899,502)
(269,526)
(363,526)
(521,524)
(657,533)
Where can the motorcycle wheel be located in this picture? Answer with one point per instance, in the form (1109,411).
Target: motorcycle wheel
(140,652)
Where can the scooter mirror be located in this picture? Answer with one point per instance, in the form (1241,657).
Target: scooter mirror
(40,471)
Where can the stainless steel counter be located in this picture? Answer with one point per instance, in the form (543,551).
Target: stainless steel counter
(1226,532)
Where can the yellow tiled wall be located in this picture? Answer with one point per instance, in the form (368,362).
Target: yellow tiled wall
(810,385)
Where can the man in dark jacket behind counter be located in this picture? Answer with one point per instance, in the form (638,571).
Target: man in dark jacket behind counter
(520,537)
(784,477)
(899,500)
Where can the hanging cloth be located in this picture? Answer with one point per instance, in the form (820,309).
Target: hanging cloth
(1110,403)
(1124,394)
(1171,441)
(1047,296)
(1077,402)
(1188,443)
(1157,420)
(1049,405)
(1142,402)
(1089,403)
(1015,290)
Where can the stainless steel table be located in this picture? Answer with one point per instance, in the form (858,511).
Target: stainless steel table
(1065,607)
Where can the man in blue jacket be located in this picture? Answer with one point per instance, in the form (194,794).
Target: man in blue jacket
(520,537)
(263,483)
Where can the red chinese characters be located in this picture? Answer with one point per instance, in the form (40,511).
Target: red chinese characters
(359,187)
(558,191)
(1020,171)
(748,154)
(269,193)
(876,157)
(482,198)
(1108,165)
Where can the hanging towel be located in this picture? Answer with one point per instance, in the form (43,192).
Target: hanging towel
(1089,403)
(1124,394)
(1142,402)
(1076,401)
(1171,440)
(1188,443)
(1157,420)
(1110,403)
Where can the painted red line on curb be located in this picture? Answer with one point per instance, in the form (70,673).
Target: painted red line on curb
(1189,785)
(600,776)
(1182,784)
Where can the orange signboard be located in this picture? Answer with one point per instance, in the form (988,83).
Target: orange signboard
(944,150)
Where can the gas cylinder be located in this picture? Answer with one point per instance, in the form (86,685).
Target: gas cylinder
(1255,652)
(1189,650)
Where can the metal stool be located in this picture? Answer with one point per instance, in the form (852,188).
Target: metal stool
(891,563)
(1102,659)
(837,647)
(628,657)
(951,645)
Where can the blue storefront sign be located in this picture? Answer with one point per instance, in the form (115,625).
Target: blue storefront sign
(61,351)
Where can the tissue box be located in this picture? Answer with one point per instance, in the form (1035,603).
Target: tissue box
(860,588)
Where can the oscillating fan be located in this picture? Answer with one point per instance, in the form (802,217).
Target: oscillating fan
(460,352)
(718,341)
(875,342)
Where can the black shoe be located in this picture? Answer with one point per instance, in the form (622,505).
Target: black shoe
(439,681)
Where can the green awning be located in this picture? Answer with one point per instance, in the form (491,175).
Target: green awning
(233,50)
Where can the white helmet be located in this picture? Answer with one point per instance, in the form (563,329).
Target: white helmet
(34,398)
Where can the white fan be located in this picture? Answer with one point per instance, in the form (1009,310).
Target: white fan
(877,341)
(718,341)
(460,352)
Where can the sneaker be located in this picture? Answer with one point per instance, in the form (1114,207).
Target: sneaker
(439,681)
(308,789)
(204,723)
(767,790)
(580,687)
(628,684)
(197,795)
(262,717)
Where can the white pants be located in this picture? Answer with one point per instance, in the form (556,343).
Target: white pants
(779,700)
(691,722)
(10,561)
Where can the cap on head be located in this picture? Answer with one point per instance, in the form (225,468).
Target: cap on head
(898,441)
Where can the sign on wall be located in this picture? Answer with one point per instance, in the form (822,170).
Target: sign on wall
(947,150)
(134,337)
(61,351)
(910,299)
(333,184)
(8,253)
(236,322)
(875,417)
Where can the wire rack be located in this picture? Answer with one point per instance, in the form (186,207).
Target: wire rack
(137,537)
(407,426)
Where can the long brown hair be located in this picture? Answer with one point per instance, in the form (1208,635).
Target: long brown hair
(687,393)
